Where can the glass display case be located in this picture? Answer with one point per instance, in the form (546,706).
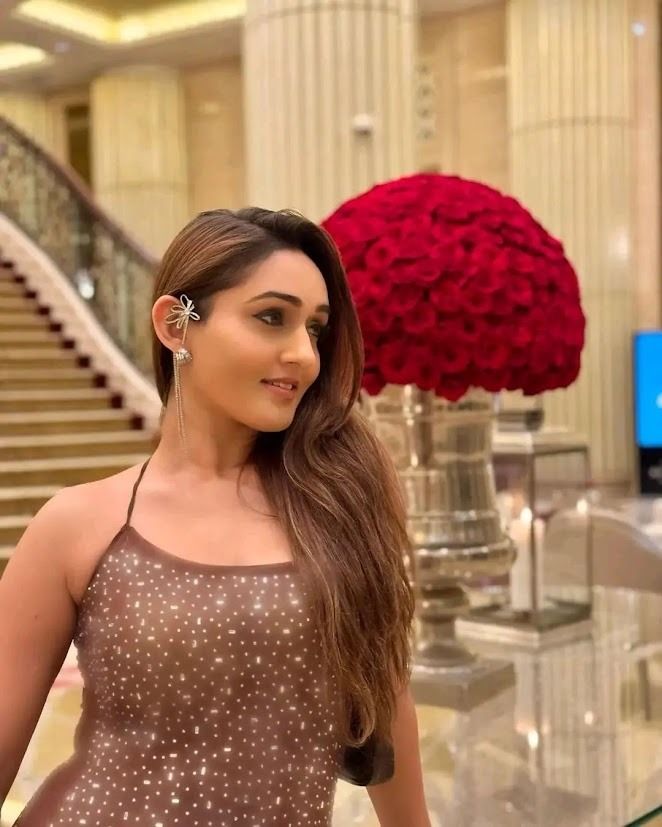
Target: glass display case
(546,598)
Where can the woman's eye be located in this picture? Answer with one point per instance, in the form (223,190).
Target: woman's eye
(276,318)
(270,313)
(319,329)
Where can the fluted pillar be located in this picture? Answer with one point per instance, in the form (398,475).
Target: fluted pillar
(28,111)
(139,167)
(570,154)
(646,167)
(328,98)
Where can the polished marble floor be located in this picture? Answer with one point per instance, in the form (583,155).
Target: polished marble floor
(576,741)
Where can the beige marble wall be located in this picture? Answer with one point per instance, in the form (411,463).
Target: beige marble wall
(29,112)
(215,136)
(646,169)
(329,99)
(464,54)
(570,128)
(139,156)
(462,59)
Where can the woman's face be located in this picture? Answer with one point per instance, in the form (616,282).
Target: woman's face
(251,339)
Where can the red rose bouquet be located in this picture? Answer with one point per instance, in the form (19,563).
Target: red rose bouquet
(458,286)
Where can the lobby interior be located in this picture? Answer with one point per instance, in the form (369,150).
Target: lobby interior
(120,120)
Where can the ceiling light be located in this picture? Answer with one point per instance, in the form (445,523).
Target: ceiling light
(18,55)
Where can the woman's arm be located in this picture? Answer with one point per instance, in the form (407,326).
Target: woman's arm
(400,802)
(37,617)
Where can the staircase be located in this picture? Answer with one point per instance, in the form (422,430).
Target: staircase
(59,422)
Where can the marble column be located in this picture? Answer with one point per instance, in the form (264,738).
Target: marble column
(570,141)
(139,168)
(646,152)
(29,113)
(328,89)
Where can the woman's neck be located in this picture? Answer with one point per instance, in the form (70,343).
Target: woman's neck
(213,447)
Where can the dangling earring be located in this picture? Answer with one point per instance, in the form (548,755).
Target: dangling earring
(180,315)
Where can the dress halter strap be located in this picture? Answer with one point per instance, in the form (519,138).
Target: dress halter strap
(135,491)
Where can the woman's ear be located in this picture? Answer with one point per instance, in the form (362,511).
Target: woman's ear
(168,333)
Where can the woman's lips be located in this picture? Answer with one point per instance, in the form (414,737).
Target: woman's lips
(281,393)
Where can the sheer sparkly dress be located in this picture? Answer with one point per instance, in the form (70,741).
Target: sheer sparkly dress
(204,703)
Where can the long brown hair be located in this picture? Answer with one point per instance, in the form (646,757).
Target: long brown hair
(327,475)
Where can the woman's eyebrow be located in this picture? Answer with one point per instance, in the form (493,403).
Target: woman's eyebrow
(288,297)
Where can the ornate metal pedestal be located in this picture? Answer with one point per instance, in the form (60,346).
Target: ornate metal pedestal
(443,453)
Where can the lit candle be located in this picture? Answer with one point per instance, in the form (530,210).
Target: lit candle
(521,595)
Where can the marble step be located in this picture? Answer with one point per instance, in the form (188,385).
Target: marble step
(50,446)
(67,422)
(18,303)
(27,499)
(39,357)
(23,320)
(38,378)
(37,337)
(9,273)
(58,399)
(66,470)
(12,528)
(9,287)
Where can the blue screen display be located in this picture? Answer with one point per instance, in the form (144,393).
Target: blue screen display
(648,388)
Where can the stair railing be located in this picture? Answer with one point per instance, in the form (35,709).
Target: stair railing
(109,270)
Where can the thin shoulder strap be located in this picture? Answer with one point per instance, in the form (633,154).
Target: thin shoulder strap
(135,491)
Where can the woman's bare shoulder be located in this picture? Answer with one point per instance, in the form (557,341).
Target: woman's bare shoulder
(91,501)
(86,517)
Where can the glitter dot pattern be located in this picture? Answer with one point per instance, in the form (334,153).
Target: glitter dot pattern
(204,701)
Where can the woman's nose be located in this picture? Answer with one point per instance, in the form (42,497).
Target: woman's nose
(301,348)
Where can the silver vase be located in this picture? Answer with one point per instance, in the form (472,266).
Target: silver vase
(442,451)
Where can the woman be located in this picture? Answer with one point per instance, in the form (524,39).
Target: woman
(255,596)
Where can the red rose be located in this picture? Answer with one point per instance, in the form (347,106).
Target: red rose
(495,380)
(352,256)
(502,304)
(359,284)
(524,264)
(473,329)
(373,382)
(451,388)
(540,354)
(420,320)
(520,335)
(488,281)
(381,254)
(426,369)
(394,364)
(520,291)
(404,298)
(452,354)
(426,271)
(476,302)
(447,297)
(414,230)
(453,329)
(482,257)
(378,287)
(375,318)
(519,356)
(493,353)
